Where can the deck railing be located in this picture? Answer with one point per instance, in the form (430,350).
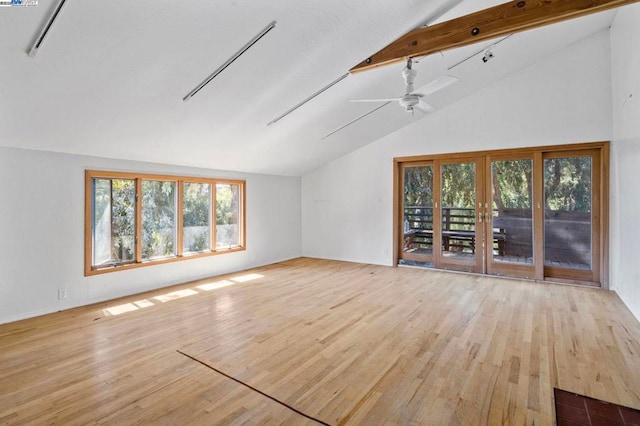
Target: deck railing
(567,235)
(458,229)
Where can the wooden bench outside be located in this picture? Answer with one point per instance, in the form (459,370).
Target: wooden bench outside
(452,217)
(455,238)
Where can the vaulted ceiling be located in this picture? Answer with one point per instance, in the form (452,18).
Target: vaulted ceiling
(110,77)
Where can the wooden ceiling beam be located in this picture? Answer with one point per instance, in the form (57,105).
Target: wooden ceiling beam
(501,20)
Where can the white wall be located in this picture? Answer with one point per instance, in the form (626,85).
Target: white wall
(566,98)
(42,232)
(625,157)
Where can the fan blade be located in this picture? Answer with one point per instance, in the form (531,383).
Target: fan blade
(436,85)
(375,100)
(424,107)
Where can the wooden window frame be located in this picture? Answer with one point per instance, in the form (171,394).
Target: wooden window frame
(90,175)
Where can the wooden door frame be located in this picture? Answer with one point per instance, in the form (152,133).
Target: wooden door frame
(400,212)
(506,268)
(592,276)
(478,263)
(602,278)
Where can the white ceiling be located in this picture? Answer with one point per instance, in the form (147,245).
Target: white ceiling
(110,77)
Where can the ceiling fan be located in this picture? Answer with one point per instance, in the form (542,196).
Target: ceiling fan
(412,99)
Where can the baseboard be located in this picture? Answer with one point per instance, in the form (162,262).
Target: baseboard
(27,315)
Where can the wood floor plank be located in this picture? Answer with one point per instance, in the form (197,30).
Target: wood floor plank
(347,343)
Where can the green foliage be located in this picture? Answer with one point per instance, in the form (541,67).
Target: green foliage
(457,181)
(196,212)
(197,200)
(418,186)
(458,185)
(511,184)
(123,196)
(158,218)
(567,184)
(200,242)
(227,204)
(115,214)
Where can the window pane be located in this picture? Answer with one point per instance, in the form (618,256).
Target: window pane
(458,210)
(418,210)
(196,217)
(227,216)
(158,219)
(512,188)
(567,216)
(113,221)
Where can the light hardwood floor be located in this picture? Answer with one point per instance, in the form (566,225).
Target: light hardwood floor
(342,342)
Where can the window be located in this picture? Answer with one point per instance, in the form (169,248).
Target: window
(158,219)
(227,215)
(134,220)
(196,225)
(113,221)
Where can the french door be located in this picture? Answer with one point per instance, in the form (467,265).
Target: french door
(573,214)
(442,214)
(460,215)
(511,215)
(523,213)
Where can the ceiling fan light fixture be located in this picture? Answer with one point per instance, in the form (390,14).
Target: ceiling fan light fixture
(409,101)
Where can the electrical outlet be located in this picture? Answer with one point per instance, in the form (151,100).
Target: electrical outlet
(62,293)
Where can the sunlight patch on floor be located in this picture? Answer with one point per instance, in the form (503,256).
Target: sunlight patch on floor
(179,294)
(245,278)
(175,295)
(144,303)
(121,309)
(127,307)
(217,284)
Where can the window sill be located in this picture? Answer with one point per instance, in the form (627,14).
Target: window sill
(98,270)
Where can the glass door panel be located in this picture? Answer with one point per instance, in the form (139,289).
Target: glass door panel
(512,212)
(510,220)
(417,215)
(568,212)
(460,238)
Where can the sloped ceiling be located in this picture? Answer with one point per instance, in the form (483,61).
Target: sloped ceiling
(111,75)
